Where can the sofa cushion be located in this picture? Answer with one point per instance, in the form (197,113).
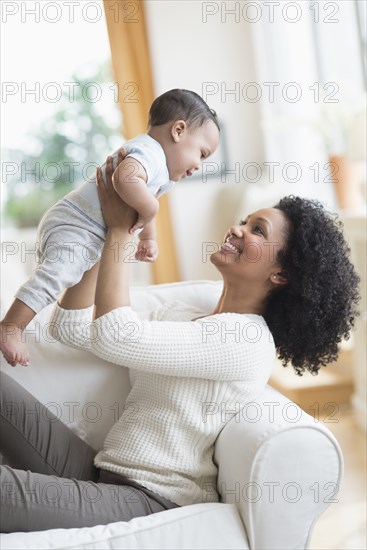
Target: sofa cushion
(211,526)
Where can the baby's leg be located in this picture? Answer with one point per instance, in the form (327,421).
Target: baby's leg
(19,315)
(12,345)
(65,253)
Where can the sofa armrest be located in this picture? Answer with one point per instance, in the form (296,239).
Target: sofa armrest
(281,467)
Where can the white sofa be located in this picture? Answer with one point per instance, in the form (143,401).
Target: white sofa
(278,468)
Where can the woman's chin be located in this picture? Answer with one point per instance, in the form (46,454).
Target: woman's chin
(218,258)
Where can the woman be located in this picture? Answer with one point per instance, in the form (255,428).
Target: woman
(288,287)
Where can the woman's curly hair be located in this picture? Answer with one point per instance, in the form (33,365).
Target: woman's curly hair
(311,314)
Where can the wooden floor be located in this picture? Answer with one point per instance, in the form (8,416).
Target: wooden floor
(343,525)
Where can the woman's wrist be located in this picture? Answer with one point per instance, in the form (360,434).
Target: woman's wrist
(118,239)
(118,232)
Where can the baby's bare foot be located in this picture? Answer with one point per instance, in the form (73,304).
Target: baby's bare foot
(13,349)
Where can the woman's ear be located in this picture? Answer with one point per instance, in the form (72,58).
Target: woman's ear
(177,130)
(279,278)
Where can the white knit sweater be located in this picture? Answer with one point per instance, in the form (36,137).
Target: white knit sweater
(189,378)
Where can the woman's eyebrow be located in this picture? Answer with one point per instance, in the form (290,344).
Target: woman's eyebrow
(261,219)
(264,220)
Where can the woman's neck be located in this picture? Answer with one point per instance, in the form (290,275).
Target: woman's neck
(231,301)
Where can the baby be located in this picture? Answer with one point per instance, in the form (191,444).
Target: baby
(182,131)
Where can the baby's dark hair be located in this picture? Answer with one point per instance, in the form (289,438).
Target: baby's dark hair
(310,315)
(181,104)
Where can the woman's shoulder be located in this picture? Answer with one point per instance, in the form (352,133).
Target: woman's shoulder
(177,310)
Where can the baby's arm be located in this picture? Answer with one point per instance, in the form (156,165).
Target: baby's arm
(147,248)
(130,183)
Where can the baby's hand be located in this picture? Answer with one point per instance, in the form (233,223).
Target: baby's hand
(147,250)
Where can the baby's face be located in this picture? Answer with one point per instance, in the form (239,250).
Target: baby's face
(185,155)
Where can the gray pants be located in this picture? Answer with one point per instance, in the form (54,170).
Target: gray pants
(50,480)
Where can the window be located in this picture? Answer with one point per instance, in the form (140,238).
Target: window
(361,15)
(312,58)
(59,103)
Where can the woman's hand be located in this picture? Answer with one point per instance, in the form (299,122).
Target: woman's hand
(116,212)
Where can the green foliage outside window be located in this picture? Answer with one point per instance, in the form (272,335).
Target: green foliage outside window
(79,133)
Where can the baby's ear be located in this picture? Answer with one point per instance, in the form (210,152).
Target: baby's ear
(178,128)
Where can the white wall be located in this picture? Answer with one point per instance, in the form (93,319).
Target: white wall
(187,52)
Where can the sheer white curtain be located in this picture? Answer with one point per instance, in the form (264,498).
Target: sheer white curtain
(308,56)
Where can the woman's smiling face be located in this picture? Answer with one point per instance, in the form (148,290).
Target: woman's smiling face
(250,248)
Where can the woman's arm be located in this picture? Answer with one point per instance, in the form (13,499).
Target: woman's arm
(82,294)
(219,347)
(112,288)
